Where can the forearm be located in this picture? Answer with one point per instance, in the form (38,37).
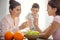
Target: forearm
(50,30)
(43,36)
(36,25)
(38,29)
(24,25)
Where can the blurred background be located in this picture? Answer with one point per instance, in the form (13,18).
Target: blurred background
(44,19)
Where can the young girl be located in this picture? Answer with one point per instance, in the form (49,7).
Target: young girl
(54,28)
(32,15)
(10,22)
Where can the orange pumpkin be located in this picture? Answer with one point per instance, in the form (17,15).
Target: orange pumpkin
(8,36)
(18,36)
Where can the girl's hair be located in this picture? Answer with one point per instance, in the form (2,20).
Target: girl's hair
(13,4)
(55,4)
(35,5)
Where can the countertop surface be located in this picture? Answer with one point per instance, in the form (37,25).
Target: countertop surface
(38,39)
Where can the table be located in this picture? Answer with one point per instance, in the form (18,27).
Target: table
(38,39)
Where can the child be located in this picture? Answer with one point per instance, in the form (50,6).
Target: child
(33,16)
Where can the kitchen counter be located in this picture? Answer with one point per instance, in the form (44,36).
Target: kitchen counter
(38,39)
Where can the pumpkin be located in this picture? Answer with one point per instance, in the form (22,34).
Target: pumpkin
(18,36)
(8,35)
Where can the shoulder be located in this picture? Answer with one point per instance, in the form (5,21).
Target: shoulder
(4,19)
(29,15)
(57,19)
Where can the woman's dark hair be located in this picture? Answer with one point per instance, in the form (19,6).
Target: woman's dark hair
(35,5)
(13,4)
(55,4)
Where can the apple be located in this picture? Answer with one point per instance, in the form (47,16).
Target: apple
(31,32)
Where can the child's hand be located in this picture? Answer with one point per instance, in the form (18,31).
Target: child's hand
(34,16)
(35,21)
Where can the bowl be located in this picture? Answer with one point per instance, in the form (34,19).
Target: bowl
(31,37)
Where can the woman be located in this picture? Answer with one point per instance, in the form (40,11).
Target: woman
(10,22)
(54,28)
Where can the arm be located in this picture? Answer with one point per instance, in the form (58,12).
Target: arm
(36,25)
(24,25)
(4,27)
(29,22)
(49,30)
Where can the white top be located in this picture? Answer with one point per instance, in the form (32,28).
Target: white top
(30,16)
(7,24)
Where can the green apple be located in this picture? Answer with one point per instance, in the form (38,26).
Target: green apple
(31,32)
(35,33)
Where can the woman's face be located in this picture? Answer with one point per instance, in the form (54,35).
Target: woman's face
(16,11)
(51,11)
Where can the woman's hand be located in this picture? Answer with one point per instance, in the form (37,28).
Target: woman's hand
(42,36)
(24,25)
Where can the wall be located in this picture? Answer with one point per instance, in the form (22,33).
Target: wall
(3,8)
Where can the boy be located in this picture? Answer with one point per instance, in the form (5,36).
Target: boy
(33,17)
